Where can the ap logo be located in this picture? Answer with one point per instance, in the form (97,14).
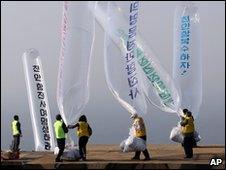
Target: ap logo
(216,161)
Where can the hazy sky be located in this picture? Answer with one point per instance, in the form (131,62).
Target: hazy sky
(37,25)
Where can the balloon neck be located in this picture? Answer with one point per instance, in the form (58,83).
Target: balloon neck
(69,142)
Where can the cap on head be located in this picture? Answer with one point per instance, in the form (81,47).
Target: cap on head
(16,117)
(58,117)
(133,116)
(189,114)
(185,111)
(82,118)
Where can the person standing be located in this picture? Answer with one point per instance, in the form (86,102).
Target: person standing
(140,132)
(187,129)
(16,131)
(84,131)
(60,132)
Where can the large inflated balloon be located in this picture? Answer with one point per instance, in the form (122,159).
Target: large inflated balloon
(75,57)
(156,83)
(38,101)
(187,63)
(121,68)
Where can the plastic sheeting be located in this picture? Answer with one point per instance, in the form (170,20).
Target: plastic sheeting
(156,84)
(132,143)
(75,57)
(177,136)
(187,63)
(38,101)
(70,153)
(122,75)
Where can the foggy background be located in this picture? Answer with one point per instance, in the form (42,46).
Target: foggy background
(37,25)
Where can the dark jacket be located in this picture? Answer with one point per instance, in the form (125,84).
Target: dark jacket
(19,127)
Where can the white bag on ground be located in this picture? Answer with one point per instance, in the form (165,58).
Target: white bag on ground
(177,136)
(71,153)
(132,143)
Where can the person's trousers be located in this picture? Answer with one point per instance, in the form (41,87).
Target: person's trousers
(15,143)
(188,146)
(61,146)
(145,152)
(83,140)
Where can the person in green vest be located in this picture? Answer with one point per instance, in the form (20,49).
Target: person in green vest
(84,131)
(60,132)
(187,130)
(16,131)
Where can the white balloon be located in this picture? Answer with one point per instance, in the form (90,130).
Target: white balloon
(74,64)
(121,68)
(156,83)
(38,101)
(187,63)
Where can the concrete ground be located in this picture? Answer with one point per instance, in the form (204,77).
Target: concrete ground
(110,157)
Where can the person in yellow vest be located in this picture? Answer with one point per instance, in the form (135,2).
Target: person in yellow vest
(16,131)
(60,132)
(187,129)
(140,132)
(84,131)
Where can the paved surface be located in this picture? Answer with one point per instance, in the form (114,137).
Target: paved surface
(110,157)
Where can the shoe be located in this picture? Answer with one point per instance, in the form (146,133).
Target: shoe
(194,144)
(58,160)
(146,159)
(187,157)
(83,159)
(135,158)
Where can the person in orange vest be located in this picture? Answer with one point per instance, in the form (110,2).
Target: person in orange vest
(16,131)
(187,129)
(84,131)
(140,132)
